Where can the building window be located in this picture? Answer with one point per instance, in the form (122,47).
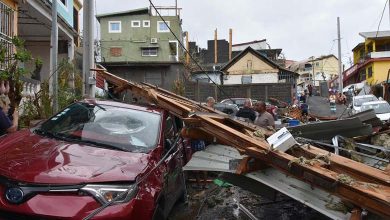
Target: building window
(114,27)
(153,78)
(362,75)
(369,72)
(149,52)
(7,32)
(162,27)
(116,51)
(174,50)
(146,23)
(135,23)
(317,63)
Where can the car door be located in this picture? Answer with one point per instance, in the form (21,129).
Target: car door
(173,146)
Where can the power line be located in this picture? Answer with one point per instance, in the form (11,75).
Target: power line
(380,21)
(181,44)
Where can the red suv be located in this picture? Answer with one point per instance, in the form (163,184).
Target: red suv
(93,154)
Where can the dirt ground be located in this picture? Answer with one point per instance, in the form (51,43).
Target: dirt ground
(222,203)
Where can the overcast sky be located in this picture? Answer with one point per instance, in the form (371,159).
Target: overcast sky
(302,28)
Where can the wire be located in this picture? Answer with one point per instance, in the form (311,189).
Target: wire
(189,54)
(380,21)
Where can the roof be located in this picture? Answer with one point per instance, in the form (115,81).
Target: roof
(247,43)
(375,34)
(128,12)
(258,55)
(357,46)
(325,57)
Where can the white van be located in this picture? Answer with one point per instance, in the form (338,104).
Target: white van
(357,102)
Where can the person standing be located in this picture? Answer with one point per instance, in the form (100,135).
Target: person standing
(247,111)
(210,102)
(6,124)
(310,88)
(264,119)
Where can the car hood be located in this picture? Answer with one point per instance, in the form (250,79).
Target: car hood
(384,116)
(27,157)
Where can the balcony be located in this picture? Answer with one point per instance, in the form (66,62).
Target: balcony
(380,54)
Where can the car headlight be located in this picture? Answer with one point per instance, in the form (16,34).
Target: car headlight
(107,193)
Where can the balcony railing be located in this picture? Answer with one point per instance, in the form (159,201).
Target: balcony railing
(380,54)
(6,32)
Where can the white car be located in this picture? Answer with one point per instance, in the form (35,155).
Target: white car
(357,102)
(381,108)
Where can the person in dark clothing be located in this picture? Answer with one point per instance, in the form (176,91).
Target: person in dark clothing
(310,88)
(6,124)
(247,111)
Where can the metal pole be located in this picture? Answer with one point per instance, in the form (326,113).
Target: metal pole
(88,47)
(53,55)
(339,50)
(176,7)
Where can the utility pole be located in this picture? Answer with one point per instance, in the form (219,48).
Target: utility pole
(188,48)
(88,47)
(339,50)
(53,56)
(313,75)
(230,43)
(215,46)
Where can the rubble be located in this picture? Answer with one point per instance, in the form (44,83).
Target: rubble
(232,133)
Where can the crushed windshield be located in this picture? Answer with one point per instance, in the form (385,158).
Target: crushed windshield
(380,108)
(103,125)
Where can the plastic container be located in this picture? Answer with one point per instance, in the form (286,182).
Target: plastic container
(292,123)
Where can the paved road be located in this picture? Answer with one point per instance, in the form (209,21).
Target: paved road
(319,106)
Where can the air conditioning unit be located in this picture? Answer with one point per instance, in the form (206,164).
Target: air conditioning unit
(153,40)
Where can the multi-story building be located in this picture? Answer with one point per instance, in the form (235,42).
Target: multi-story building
(30,20)
(34,26)
(371,61)
(138,45)
(314,70)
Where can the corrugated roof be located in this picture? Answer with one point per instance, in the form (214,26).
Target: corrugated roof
(375,34)
(134,11)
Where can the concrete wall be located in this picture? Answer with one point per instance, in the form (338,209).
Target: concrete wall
(150,74)
(200,91)
(131,39)
(380,69)
(256,78)
(41,49)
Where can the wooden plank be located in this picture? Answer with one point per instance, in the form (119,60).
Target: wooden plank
(376,199)
(369,188)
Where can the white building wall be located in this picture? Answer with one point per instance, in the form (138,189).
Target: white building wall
(256,78)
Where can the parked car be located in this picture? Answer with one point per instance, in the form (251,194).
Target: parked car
(237,101)
(89,154)
(357,102)
(381,108)
(230,109)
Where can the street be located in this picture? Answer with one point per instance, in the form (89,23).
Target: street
(319,106)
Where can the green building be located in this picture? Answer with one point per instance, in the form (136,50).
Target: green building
(138,45)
